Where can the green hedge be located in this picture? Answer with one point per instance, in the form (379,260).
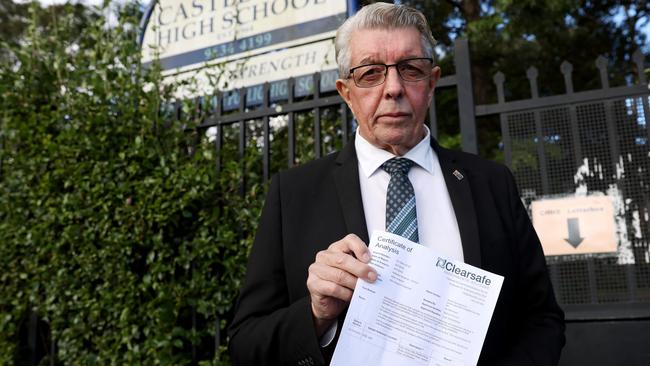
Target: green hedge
(114,227)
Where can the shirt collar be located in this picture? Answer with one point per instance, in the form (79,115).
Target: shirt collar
(371,157)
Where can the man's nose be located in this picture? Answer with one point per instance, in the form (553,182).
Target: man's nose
(393,86)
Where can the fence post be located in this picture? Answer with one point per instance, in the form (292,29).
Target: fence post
(433,118)
(266,154)
(614,144)
(317,126)
(291,149)
(242,141)
(465,96)
(218,144)
(532,74)
(567,69)
(498,79)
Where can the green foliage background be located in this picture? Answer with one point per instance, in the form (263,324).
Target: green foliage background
(114,227)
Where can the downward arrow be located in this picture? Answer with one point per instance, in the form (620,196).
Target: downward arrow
(574,232)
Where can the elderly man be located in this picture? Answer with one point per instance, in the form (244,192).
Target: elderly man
(311,248)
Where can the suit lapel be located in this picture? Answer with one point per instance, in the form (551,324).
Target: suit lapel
(461,198)
(346,179)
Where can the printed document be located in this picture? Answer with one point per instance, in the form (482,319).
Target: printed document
(422,310)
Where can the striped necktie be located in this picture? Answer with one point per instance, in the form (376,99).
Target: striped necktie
(401,216)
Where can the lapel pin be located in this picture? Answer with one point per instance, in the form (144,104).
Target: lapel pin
(458,175)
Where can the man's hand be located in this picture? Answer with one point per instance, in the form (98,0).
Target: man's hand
(333,276)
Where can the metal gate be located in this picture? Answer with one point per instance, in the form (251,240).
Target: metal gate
(585,144)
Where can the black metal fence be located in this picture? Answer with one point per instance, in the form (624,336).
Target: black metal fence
(261,113)
(594,142)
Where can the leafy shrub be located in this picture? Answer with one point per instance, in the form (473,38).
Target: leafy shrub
(115,228)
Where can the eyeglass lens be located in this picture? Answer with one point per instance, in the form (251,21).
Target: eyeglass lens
(408,70)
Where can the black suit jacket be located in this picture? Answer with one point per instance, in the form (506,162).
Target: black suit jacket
(314,205)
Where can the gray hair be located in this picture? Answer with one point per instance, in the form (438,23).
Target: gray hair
(380,16)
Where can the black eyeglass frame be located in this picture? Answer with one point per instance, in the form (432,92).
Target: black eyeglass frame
(387,66)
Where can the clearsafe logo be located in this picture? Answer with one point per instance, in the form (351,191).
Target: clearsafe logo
(450,267)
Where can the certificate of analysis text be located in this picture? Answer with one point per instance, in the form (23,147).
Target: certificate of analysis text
(422,310)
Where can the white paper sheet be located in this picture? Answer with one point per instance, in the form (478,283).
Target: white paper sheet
(422,310)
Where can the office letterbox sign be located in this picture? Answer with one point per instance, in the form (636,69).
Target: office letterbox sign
(575,225)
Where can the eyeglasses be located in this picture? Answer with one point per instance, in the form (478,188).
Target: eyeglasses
(412,69)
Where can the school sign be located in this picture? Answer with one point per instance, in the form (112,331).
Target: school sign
(252,41)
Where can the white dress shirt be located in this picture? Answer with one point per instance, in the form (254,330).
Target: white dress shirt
(437,225)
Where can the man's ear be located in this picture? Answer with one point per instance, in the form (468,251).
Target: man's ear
(435,76)
(344,91)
